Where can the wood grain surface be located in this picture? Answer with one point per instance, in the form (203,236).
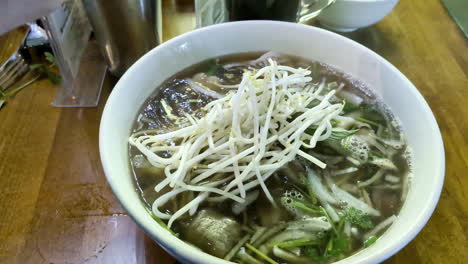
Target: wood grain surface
(55,204)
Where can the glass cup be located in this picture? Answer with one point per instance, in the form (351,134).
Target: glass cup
(210,12)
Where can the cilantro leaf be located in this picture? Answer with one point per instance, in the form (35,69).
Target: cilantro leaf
(358,218)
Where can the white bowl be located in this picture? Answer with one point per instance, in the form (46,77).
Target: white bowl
(349,15)
(159,64)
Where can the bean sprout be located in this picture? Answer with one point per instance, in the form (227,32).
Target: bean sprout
(246,135)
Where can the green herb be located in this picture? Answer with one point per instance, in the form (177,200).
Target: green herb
(367,121)
(311,130)
(160,221)
(341,224)
(369,171)
(371,240)
(372,114)
(213,67)
(41,71)
(358,218)
(339,134)
(349,107)
(53,77)
(334,122)
(6,95)
(49,57)
(260,254)
(311,195)
(302,206)
(338,245)
(296,243)
(303,178)
(376,154)
(312,252)
(325,213)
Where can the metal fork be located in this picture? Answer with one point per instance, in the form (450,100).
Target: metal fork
(12,70)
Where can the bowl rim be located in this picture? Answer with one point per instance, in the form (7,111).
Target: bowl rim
(184,251)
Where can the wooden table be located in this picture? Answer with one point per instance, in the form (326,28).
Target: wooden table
(55,204)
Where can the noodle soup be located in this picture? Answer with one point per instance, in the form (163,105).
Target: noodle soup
(263,157)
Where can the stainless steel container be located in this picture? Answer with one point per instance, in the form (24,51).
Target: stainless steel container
(125,29)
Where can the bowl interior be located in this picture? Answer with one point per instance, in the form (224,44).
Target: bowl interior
(312,43)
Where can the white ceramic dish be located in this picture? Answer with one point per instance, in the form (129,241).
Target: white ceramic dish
(349,15)
(312,43)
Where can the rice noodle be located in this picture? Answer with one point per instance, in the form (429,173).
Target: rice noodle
(249,132)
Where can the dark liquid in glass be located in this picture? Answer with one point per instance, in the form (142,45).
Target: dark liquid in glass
(284,10)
